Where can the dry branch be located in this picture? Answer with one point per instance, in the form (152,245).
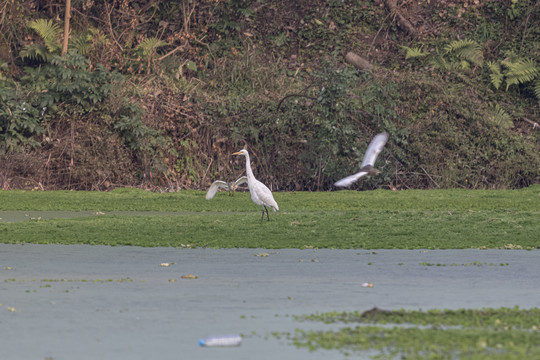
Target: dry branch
(402,21)
(534,124)
(181,47)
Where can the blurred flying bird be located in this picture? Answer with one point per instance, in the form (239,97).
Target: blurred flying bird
(229,186)
(260,193)
(373,150)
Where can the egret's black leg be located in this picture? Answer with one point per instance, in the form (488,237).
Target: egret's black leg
(262,216)
(267,216)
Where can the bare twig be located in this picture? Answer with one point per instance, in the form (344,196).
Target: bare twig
(299,95)
(170,52)
(109,23)
(3,12)
(207,46)
(429,176)
(206,172)
(187,19)
(292,95)
(534,124)
(377,34)
(525,32)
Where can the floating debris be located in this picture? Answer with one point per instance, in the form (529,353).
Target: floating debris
(189,276)
(511,247)
(222,340)
(367,285)
(166,264)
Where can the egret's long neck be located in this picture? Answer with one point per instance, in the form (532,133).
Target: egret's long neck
(249,172)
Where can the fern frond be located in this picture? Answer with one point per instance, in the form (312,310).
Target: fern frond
(88,39)
(50,33)
(413,53)
(465,65)
(520,72)
(150,45)
(466,49)
(80,42)
(97,37)
(536,88)
(496,74)
(500,117)
(36,52)
(438,62)
(457,45)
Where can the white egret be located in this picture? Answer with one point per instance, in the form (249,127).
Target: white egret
(373,150)
(260,193)
(229,186)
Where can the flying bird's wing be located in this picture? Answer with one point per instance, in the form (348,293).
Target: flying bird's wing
(214,188)
(240,181)
(349,180)
(373,150)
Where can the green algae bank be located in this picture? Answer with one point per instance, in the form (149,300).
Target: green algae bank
(413,219)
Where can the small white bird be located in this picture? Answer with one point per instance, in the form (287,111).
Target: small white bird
(373,150)
(229,186)
(260,193)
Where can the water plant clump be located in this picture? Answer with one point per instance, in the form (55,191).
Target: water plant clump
(504,333)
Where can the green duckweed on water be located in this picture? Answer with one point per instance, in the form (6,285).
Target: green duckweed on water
(502,333)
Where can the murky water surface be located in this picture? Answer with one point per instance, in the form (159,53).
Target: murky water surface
(98,302)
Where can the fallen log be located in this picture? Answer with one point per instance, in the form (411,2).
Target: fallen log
(359,62)
(401,21)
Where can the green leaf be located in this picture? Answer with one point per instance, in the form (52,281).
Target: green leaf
(191,66)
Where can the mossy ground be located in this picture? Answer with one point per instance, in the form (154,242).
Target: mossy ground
(443,219)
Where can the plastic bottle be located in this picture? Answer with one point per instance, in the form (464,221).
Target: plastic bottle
(222,340)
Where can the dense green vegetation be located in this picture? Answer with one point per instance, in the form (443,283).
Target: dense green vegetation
(436,334)
(158,94)
(444,219)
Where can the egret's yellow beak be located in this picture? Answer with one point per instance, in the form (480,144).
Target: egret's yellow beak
(237,153)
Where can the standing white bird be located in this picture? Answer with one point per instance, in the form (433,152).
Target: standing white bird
(373,150)
(229,186)
(260,193)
